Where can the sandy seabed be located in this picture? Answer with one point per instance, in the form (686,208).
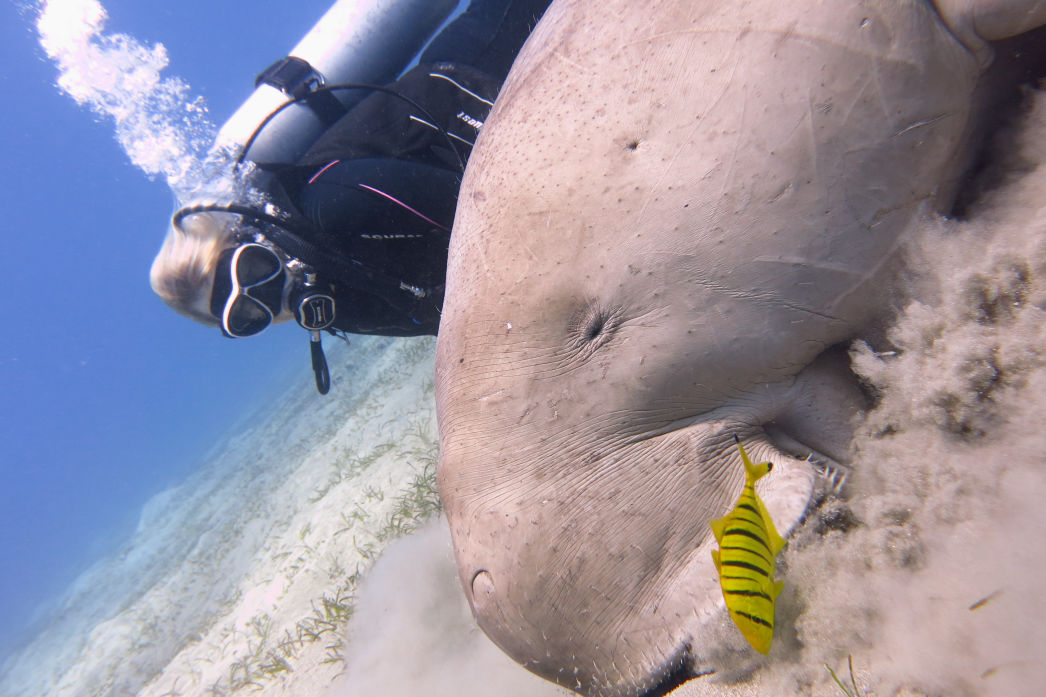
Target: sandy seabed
(242,577)
(255,575)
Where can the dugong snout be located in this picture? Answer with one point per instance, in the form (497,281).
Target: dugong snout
(574,569)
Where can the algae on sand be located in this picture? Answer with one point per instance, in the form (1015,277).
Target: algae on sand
(243,575)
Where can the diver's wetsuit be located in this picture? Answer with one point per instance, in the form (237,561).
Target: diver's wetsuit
(380,186)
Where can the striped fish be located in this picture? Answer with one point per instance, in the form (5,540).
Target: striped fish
(748,543)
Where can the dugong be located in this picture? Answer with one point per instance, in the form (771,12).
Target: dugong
(673,214)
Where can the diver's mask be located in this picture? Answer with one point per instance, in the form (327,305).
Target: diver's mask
(248,293)
(248,289)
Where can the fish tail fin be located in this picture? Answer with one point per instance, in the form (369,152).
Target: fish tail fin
(754,471)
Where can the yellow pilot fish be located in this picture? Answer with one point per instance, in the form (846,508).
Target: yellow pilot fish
(748,543)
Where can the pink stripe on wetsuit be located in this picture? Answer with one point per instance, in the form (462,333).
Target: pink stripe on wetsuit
(380,193)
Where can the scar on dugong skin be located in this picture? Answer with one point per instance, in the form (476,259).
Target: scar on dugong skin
(674,212)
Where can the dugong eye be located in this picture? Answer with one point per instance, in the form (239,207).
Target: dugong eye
(592,326)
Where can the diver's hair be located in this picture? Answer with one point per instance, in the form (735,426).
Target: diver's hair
(182,273)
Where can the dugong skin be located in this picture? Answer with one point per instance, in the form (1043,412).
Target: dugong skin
(673,210)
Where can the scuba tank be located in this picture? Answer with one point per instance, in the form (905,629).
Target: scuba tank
(356,41)
(370,42)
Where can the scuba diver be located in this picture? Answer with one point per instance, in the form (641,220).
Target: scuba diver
(352,237)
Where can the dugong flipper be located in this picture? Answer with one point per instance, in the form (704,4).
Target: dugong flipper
(674,210)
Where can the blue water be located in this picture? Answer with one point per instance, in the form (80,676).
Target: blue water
(106,396)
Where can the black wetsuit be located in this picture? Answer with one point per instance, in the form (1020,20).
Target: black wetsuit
(380,186)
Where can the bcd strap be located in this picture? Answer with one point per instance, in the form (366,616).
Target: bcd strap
(297,79)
